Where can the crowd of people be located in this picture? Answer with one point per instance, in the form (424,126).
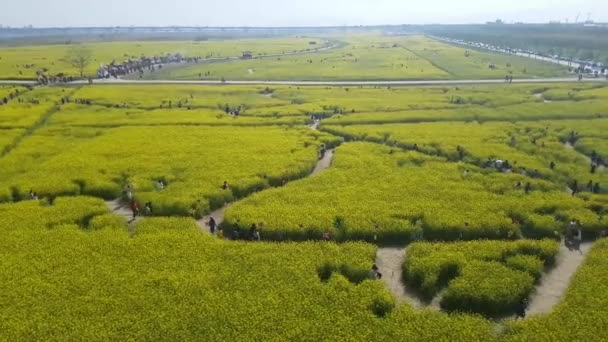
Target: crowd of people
(67,99)
(142,64)
(44,79)
(12,95)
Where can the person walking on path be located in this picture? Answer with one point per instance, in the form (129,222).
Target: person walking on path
(322,151)
(573,232)
(134,209)
(578,237)
(374,274)
(212,224)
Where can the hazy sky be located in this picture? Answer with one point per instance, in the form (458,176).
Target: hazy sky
(44,13)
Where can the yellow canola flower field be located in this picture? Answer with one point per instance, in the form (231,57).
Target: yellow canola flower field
(375,57)
(22,62)
(529,147)
(583,306)
(61,267)
(489,277)
(193,162)
(381,194)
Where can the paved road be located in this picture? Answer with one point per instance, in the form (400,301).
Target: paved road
(12,82)
(331,83)
(349,83)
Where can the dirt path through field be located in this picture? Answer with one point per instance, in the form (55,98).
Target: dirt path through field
(218,214)
(554,283)
(549,293)
(324,162)
(389,261)
(117,208)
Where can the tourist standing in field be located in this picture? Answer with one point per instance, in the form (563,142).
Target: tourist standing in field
(134,209)
(148,208)
(236,233)
(574,187)
(252,231)
(129,192)
(520,310)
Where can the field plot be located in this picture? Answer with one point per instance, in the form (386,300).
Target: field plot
(8,136)
(489,277)
(582,305)
(415,166)
(530,147)
(193,162)
(378,193)
(374,58)
(175,283)
(463,63)
(22,62)
(475,103)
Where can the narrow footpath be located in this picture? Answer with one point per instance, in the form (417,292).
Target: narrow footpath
(118,208)
(218,214)
(546,295)
(389,261)
(554,283)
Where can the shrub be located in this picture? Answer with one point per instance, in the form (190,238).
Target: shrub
(487,287)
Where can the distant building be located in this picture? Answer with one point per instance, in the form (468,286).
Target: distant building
(247,55)
(312,42)
(496,22)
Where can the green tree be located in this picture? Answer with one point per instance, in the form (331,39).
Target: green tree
(79,57)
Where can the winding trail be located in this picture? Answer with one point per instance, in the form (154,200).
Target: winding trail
(218,214)
(546,295)
(324,162)
(117,208)
(389,261)
(555,282)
